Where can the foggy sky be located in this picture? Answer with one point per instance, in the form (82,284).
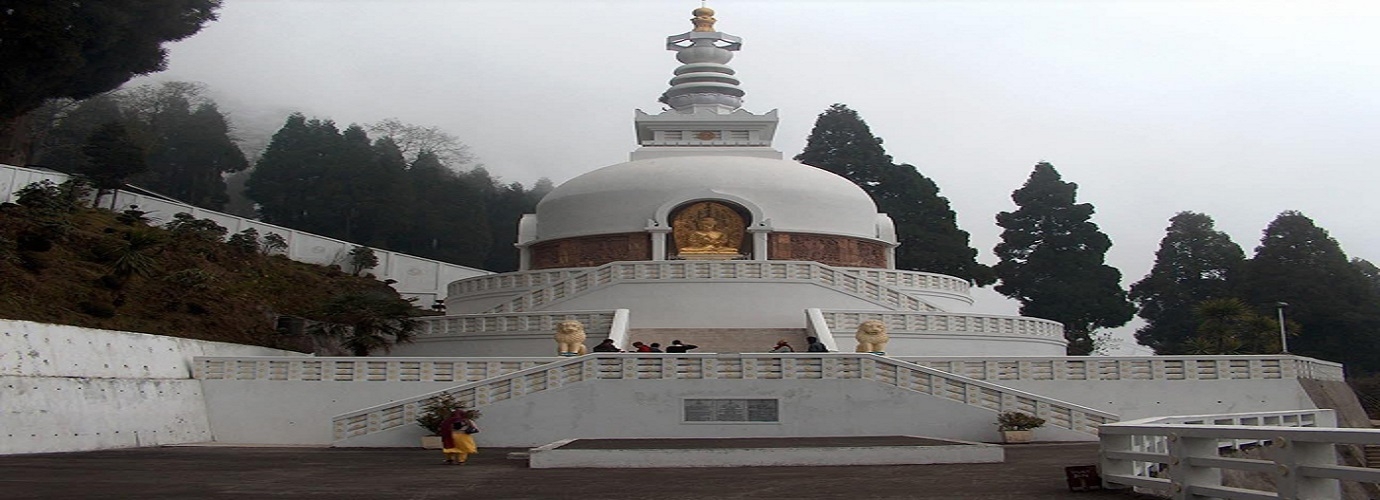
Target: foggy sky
(1239,110)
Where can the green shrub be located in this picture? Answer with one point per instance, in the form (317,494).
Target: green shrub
(1018,421)
(437,409)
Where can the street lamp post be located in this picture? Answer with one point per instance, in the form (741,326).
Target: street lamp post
(1283,337)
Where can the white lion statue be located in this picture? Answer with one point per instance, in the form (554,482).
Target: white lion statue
(872,337)
(570,338)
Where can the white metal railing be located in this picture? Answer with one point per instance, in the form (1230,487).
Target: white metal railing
(708,270)
(606,366)
(1184,455)
(341,369)
(1254,367)
(928,322)
(595,322)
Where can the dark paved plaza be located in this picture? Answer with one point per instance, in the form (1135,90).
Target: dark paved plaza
(1034,471)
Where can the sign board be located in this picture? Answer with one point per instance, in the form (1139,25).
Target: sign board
(731,410)
(1083,478)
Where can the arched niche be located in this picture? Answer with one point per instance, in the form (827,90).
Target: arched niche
(709,230)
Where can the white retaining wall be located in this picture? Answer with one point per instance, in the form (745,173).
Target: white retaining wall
(67,388)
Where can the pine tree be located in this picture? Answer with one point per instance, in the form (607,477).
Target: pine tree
(113,157)
(926,226)
(1052,261)
(1194,263)
(192,148)
(1332,301)
(292,182)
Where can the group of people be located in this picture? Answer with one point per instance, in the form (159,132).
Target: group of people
(676,347)
(812,345)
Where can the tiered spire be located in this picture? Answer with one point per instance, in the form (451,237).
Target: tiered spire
(704,116)
(704,79)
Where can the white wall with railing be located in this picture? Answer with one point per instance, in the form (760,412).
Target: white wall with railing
(415,277)
(632,395)
(1147,386)
(483,293)
(1183,457)
(531,334)
(930,333)
(729,271)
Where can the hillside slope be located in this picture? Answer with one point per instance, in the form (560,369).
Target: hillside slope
(63,263)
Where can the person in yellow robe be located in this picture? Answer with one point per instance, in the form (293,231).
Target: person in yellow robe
(457,440)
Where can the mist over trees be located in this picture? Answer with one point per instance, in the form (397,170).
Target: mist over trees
(76,50)
(343,184)
(1052,261)
(186,139)
(927,228)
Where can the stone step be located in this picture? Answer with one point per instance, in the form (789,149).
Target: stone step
(720,340)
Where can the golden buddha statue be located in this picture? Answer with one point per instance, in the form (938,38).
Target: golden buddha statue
(708,230)
(706,238)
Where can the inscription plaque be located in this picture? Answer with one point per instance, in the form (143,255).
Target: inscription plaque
(732,410)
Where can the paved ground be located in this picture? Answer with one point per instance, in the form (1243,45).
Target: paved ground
(1034,471)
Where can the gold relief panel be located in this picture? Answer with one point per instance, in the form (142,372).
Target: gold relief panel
(831,250)
(590,251)
(707,230)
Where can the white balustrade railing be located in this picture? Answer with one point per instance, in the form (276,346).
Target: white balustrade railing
(800,366)
(514,281)
(1253,367)
(916,280)
(343,369)
(741,270)
(1184,456)
(946,323)
(595,322)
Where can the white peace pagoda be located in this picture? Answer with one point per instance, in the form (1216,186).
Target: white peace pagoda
(710,237)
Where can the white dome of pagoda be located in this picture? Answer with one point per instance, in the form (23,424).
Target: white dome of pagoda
(781,195)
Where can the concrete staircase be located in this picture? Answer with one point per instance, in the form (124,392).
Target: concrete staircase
(721,340)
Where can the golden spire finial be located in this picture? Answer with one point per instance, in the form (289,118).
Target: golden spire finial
(704,18)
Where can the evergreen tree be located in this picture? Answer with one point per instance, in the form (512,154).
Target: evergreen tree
(80,49)
(113,157)
(1332,301)
(506,209)
(185,135)
(190,148)
(446,213)
(1052,261)
(61,147)
(291,181)
(926,226)
(1194,263)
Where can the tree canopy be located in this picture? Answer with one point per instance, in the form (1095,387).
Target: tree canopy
(186,138)
(1331,299)
(926,226)
(80,49)
(1194,263)
(317,178)
(1052,258)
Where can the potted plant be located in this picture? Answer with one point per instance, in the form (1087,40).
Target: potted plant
(1016,427)
(436,410)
